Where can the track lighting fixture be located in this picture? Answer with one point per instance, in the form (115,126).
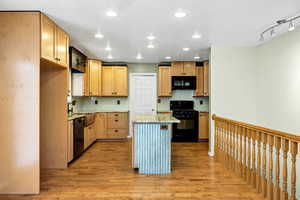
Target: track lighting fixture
(278,23)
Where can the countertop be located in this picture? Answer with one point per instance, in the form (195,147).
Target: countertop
(75,116)
(158,118)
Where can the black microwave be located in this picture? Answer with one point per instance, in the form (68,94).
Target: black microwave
(183,82)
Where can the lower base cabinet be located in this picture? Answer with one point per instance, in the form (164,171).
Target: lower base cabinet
(70,141)
(89,135)
(203,126)
(112,125)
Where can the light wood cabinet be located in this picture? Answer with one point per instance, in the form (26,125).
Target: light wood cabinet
(200,81)
(179,68)
(206,78)
(101,125)
(203,125)
(112,125)
(114,81)
(92,78)
(70,141)
(164,81)
(120,81)
(189,68)
(54,43)
(89,135)
(202,88)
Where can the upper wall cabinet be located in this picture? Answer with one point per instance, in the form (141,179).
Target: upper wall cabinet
(206,78)
(92,78)
(202,88)
(54,43)
(179,68)
(164,81)
(114,81)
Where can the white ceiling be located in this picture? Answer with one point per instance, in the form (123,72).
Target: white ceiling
(220,22)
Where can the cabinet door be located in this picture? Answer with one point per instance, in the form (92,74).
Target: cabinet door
(101,126)
(177,69)
(203,125)
(164,81)
(99,77)
(70,140)
(117,133)
(189,68)
(120,81)
(206,78)
(86,137)
(48,39)
(93,78)
(86,81)
(199,88)
(107,81)
(62,47)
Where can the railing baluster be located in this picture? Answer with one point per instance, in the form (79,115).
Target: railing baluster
(234,146)
(237,162)
(253,170)
(230,146)
(222,141)
(264,170)
(258,170)
(285,148)
(245,153)
(277,148)
(241,150)
(294,151)
(216,139)
(249,157)
(270,166)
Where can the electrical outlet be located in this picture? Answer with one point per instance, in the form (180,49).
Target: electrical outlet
(118,102)
(96,101)
(201,102)
(158,100)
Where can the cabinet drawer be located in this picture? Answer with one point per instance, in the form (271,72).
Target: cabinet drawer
(117,133)
(117,123)
(117,116)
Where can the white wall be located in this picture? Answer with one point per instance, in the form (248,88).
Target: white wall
(278,79)
(232,81)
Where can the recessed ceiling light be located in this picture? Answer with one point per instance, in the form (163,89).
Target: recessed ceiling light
(99,35)
(109,56)
(196,36)
(107,48)
(168,57)
(139,56)
(186,49)
(291,26)
(197,57)
(151,37)
(150,46)
(111,13)
(180,14)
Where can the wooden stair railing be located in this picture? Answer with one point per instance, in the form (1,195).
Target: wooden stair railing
(253,152)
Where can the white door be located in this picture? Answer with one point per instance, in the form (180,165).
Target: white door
(143,97)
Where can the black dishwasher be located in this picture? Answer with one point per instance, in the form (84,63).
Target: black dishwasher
(78,136)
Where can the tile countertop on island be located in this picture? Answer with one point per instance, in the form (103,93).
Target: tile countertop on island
(159,118)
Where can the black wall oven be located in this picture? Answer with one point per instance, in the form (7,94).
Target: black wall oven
(187,129)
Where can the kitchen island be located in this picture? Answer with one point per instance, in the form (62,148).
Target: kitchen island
(152,143)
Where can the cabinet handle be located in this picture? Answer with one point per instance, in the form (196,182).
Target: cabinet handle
(116,131)
(116,120)
(116,115)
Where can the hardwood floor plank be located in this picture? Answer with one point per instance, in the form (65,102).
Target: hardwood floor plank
(104,172)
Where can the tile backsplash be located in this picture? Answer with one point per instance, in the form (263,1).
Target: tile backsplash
(87,104)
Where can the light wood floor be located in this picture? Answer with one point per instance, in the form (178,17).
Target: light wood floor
(104,172)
